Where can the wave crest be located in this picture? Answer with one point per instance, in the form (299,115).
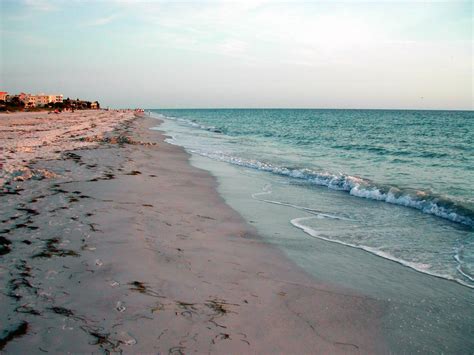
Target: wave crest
(421,200)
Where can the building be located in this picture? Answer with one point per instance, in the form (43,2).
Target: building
(55,98)
(45,100)
(42,99)
(29,100)
(22,96)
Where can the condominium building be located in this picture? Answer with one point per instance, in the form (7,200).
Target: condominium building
(29,100)
(55,98)
(41,99)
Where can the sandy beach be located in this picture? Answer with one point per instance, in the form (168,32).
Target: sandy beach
(112,242)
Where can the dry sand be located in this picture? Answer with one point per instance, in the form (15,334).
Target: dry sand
(27,136)
(130,249)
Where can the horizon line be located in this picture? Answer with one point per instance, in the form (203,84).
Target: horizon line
(308,108)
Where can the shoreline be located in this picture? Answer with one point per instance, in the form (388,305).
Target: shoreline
(131,248)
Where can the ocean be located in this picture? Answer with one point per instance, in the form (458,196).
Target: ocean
(421,160)
(376,201)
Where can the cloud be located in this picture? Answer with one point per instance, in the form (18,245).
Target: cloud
(232,47)
(40,5)
(103,20)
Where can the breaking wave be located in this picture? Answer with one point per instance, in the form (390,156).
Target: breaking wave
(421,200)
(424,201)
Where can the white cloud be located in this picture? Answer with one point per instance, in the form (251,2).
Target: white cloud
(103,20)
(41,5)
(232,47)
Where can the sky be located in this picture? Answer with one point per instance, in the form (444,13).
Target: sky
(259,53)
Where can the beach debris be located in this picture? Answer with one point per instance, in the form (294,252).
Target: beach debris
(16,284)
(206,217)
(125,338)
(114,283)
(138,286)
(144,289)
(120,307)
(28,211)
(8,335)
(4,246)
(119,139)
(93,228)
(27,309)
(220,336)
(75,157)
(101,338)
(62,311)
(99,262)
(188,309)
(220,309)
(218,306)
(176,350)
(51,250)
(26,173)
(134,172)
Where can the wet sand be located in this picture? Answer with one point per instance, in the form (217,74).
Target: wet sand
(127,247)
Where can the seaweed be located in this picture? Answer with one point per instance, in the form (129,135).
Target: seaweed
(108,176)
(218,307)
(93,228)
(138,286)
(27,310)
(28,210)
(8,335)
(35,199)
(15,284)
(75,157)
(57,190)
(62,311)
(221,336)
(52,250)
(206,217)
(58,208)
(141,287)
(176,350)
(101,338)
(188,308)
(4,246)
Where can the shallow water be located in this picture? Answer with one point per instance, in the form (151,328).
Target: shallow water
(387,251)
(392,183)
(422,313)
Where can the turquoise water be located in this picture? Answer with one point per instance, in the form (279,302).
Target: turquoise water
(397,184)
